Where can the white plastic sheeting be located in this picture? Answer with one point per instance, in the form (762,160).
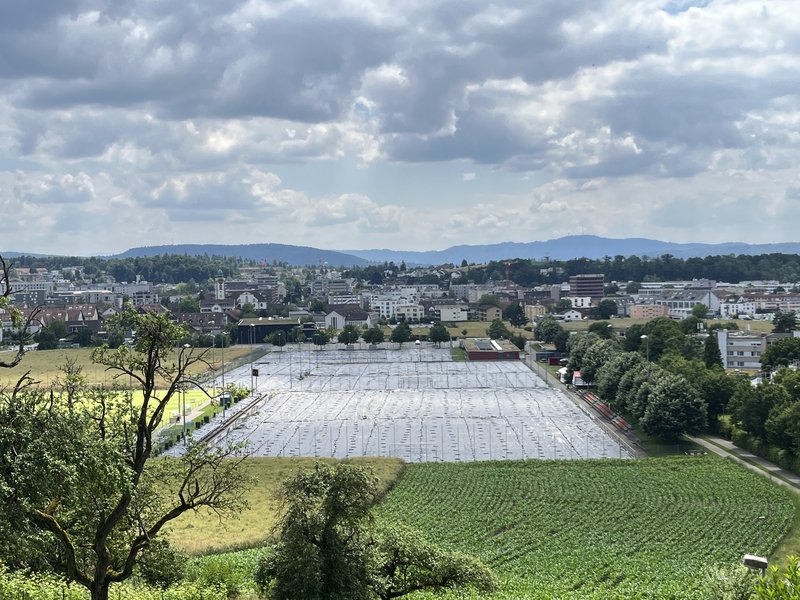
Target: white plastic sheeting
(416,404)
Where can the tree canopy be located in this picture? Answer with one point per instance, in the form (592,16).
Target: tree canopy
(331,548)
(78,485)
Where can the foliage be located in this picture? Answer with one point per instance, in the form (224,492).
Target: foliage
(751,406)
(609,375)
(277,338)
(700,311)
(781,353)
(578,345)
(407,562)
(784,322)
(597,355)
(778,584)
(547,329)
(161,565)
(321,337)
(438,334)
(78,485)
(606,309)
(401,333)
(610,530)
(23,585)
(603,329)
(322,551)
(515,314)
(349,335)
(329,547)
(164,268)
(519,341)
(497,329)
(711,353)
(674,407)
(489,300)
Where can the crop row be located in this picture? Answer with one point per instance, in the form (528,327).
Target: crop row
(654,528)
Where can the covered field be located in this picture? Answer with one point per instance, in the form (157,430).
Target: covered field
(415,404)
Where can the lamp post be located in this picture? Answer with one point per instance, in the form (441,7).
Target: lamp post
(183,392)
(252,336)
(222,398)
(647,346)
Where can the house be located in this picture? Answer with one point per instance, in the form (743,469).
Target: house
(572,315)
(345,315)
(215,305)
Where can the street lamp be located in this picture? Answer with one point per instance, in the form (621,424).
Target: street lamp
(252,336)
(647,345)
(183,391)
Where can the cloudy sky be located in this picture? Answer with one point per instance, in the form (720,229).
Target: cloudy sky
(409,125)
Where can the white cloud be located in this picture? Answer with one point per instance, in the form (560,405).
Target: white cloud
(647,118)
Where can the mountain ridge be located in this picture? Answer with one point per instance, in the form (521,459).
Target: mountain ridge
(563,248)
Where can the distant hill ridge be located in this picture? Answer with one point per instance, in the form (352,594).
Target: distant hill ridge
(576,246)
(293,255)
(565,248)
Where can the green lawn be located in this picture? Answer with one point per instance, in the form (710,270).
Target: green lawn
(202,532)
(44,365)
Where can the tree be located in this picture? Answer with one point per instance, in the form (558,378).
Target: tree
(561,340)
(781,353)
(578,345)
(330,548)
(46,339)
(497,330)
(597,355)
(673,407)
(277,338)
(515,314)
(784,322)
(562,305)
(602,329)
(401,333)
(547,329)
(374,335)
(321,338)
(609,375)
(22,324)
(633,287)
(79,489)
(489,300)
(700,311)
(606,309)
(711,354)
(438,333)
(349,335)
(751,406)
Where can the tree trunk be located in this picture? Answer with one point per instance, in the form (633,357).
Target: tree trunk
(99,590)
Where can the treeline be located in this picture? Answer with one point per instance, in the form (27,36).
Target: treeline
(730,269)
(164,268)
(765,419)
(660,374)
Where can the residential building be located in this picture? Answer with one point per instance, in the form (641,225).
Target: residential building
(647,311)
(534,311)
(452,313)
(485,312)
(409,312)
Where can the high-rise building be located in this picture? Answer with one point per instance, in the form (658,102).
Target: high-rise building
(587,284)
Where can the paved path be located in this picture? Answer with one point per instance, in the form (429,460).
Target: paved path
(755,463)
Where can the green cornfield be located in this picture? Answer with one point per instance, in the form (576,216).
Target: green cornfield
(608,529)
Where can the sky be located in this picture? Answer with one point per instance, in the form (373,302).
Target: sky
(412,125)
